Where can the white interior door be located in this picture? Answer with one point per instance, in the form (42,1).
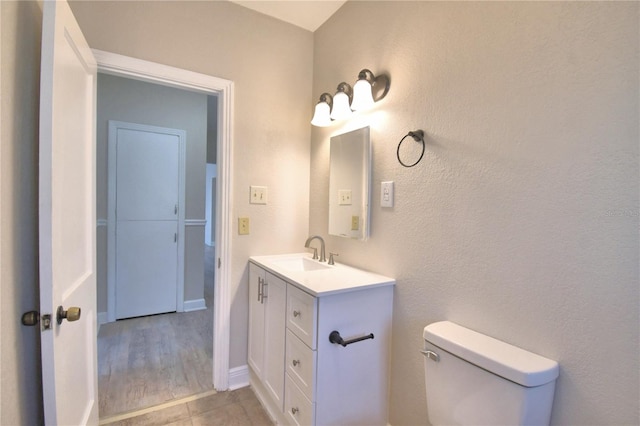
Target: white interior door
(147,206)
(67,219)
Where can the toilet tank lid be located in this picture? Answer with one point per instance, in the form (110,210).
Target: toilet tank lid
(505,360)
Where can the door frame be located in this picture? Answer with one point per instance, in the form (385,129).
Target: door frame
(124,66)
(112,138)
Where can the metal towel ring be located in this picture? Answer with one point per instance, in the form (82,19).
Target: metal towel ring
(417,136)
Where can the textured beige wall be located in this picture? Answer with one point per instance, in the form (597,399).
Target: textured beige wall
(20,381)
(521,221)
(270,63)
(139,102)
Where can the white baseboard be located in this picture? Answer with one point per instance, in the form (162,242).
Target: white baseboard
(194,305)
(238,377)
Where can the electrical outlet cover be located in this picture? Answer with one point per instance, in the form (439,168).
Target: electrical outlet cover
(243,226)
(355,223)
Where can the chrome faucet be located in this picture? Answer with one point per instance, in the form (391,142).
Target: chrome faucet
(323,258)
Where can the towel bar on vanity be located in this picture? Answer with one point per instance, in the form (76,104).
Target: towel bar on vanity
(334,337)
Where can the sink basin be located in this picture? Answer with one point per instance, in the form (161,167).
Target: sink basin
(299,264)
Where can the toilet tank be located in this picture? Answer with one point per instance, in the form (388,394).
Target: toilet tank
(473,379)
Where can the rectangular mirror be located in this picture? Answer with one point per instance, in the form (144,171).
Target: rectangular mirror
(349,184)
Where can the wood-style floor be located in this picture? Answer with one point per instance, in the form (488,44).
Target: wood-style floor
(162,360)
(235,408)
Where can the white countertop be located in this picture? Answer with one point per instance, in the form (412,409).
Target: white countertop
(332,279)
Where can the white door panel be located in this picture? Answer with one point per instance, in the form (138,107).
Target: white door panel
(255,355)
(67,218)
(146,186)
(147,175)
(274,337)
(147,269)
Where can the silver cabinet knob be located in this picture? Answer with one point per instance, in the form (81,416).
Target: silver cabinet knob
(296,313)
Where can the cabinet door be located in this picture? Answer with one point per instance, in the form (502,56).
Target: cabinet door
(256,320)
(275,296)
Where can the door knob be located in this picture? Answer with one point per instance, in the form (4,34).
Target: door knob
(71,314)
(30,318)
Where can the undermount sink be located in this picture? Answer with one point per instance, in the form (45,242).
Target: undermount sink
(299,264)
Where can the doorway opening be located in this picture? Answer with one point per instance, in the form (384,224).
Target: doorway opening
(118,65)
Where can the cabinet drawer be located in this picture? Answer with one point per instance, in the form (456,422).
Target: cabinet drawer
(301,315)
(301,364)
(297,408)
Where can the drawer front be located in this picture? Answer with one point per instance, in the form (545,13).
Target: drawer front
(301,315)
(301,364)
(297,408)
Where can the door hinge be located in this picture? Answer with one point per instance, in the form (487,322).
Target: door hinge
(219,263)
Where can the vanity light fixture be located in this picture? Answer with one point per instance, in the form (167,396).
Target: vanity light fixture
(341,100)
(368,89)
(321,117)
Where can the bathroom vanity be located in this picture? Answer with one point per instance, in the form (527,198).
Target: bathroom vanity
(299,375)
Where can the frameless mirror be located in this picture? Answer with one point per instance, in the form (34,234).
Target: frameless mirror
(349,184)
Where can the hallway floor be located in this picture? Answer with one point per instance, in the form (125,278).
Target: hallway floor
(158,370)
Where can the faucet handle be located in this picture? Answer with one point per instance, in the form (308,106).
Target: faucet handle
(315,253)
(331,262)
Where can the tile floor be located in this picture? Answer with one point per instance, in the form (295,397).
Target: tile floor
(234,408)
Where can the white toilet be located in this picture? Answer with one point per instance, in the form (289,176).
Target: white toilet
(473,379)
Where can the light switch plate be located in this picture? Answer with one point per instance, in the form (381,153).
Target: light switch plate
(258,195)
(344,197)
(386,194)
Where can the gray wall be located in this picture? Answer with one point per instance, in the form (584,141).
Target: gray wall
(270,63)
(521,221)
(139,102)
(20,381)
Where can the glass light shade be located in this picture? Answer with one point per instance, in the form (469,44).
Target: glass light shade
(321,116)
(362,95)
(341,109)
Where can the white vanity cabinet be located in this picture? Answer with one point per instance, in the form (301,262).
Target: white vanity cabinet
(324,383)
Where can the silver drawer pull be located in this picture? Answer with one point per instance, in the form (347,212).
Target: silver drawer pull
(296,313)
(431,355)
(296,362)
(294,411)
